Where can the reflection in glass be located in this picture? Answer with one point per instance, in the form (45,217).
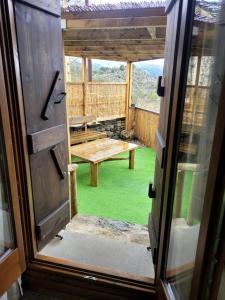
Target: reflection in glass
(6,231)
(206,68)
(222,287)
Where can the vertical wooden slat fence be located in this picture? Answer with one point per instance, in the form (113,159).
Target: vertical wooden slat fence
(144,123)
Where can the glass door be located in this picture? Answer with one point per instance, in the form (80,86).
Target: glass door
(7,241)
(200,84)
(12,260)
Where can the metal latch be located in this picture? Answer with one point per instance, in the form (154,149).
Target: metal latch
(160,87)
(151,191)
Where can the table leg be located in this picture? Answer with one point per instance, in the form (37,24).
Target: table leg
(131,159)
(94,174)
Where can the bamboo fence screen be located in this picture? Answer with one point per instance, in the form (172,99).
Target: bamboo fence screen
(74,97)
(109,100)
(102,100)
(195,105)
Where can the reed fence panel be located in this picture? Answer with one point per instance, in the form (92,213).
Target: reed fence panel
(75,103)
(103,100)
(195,105)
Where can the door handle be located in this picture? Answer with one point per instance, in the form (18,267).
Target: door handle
(48,107)
(160,87)
(56,156)
(151,191)
(63,95)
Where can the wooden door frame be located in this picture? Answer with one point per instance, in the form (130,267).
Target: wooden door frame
(220,265)
(12,263)
(216,176)
(213,201)
(85,279)
(81,279)
(174,126)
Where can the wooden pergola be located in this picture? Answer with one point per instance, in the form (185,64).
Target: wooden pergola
(134,32)
(129,32)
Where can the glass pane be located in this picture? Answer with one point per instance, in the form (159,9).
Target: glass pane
(217,247)
(6,228)
(222,287)
(144,84)
(203,88)
(73,69)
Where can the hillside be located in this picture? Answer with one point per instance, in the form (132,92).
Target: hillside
(143,86)
(144,81)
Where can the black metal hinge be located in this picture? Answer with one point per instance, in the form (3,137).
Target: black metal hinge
(151,191)
(160,87)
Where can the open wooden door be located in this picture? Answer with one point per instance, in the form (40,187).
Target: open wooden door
(193,183)
(165,90)
(39,39)
(12,257)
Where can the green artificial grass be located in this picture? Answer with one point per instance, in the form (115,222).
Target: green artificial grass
(122,193)
(186,194)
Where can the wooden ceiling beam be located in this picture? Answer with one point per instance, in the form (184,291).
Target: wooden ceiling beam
(120,57)
(116,50)
(141,48)
(116,13)
(97,43)
(102,35)
(113,53)
(159,21)
(112,34)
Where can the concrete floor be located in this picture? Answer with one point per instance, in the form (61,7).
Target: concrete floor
(101,251)
(113,229)
(122,255)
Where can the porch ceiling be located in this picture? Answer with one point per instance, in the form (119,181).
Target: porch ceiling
(128,31)
(123,34)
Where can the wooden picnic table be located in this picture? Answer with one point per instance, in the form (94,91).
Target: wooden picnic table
(101,150)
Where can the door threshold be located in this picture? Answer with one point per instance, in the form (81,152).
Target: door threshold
(59,277)
(100,255)
(94,273)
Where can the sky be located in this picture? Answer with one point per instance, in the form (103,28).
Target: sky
(110,1)
(158,62)
(105,1)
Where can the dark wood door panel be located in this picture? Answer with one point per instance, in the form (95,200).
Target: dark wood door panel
(50,6)
(40,53)
(46,138)
(52,224)
(39,40)
(49,189)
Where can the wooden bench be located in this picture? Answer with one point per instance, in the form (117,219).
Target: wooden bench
(86,135)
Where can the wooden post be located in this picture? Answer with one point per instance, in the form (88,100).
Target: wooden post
(128,92)
(131,159)
(67,69)
(179,193)
(192,204)
(195,104)
(67,75)
(84,81)
(72,168)
(89,62)
(89,65)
